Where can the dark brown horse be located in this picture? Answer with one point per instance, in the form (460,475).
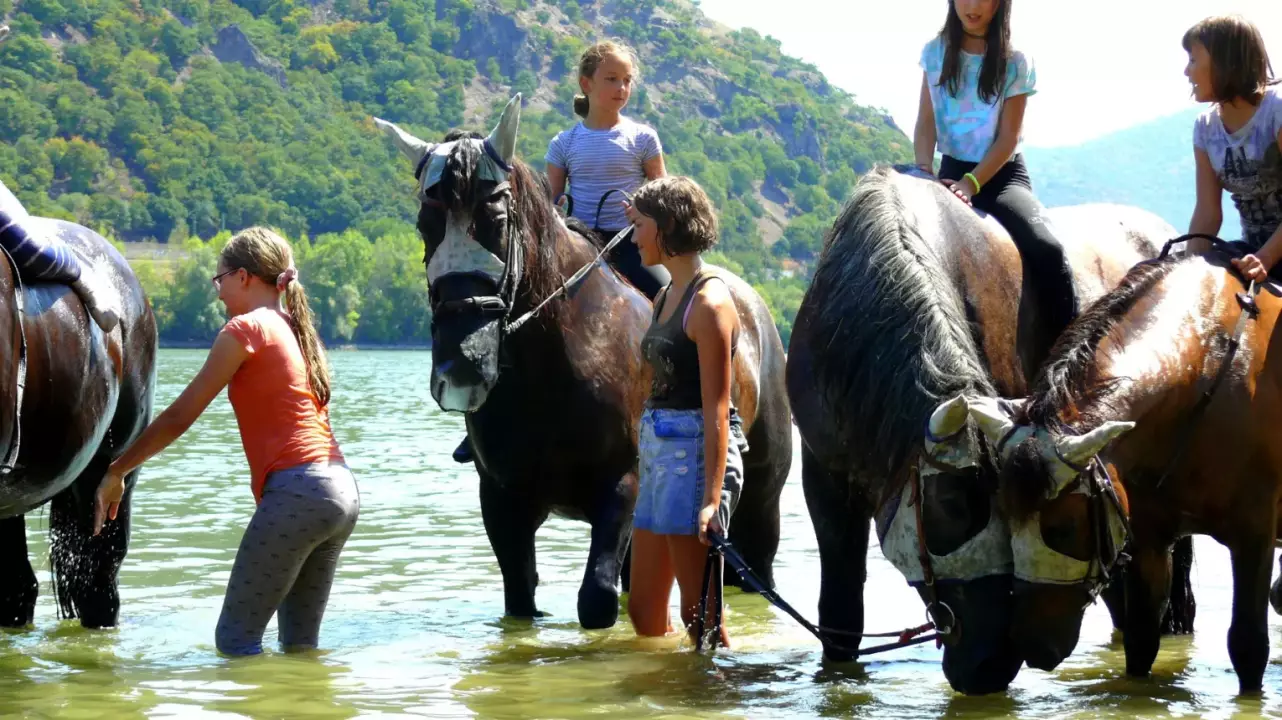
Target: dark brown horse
(553,393)
(1123,382)
(917,299)
(86,395)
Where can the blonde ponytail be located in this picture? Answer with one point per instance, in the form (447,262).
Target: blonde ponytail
(304,326)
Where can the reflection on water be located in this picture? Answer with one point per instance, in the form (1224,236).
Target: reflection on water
(415,626)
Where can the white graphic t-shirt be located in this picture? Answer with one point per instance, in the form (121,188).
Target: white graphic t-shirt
(1248,164)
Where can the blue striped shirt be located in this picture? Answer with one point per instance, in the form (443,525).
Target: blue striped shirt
(597,161)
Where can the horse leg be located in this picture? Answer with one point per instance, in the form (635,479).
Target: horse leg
(754,526)
(1182,608)
(611,530)
(842,532)
(511,519)
(1114,597)
(1148,581)
(85,567)
(18,594)
(1248,633)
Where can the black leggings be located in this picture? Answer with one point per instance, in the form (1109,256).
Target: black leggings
(626,258)
(1008,197)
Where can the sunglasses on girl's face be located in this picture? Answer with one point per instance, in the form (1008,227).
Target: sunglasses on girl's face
(218,279)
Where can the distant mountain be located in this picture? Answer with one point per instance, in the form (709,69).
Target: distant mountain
(1149,165)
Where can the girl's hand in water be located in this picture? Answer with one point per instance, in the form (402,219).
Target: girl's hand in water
(110,491)
(961,188)
(708,520)
(1252,267)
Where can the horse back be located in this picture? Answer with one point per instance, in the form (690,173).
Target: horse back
(83,386)
(1101,243)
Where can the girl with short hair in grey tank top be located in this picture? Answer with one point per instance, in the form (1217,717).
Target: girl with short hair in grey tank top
(691,467)
(1237,144)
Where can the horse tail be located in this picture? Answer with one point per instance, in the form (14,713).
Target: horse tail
(891,329)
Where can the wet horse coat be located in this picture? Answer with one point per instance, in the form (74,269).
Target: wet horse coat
(87,395)
(1121,390)
(553,406)
(917,299)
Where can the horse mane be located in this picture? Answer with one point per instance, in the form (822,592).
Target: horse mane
(1069,388)
(1068,378)
(881,379)
(537,222)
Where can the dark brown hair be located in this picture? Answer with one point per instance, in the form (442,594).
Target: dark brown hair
(997,52)
(266,255)
(1239,61)
(685,216)
(591,59)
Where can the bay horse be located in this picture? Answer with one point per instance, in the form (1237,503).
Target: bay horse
(550,377)
(1118,405)
(916,299)
(71,399)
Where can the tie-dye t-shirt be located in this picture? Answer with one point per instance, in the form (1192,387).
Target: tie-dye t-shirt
(1248,164)
(965,125)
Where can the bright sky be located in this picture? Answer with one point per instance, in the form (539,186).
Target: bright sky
(1100,66)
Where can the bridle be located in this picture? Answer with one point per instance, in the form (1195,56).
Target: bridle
(500,306)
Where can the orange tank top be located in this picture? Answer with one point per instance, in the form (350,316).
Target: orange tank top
(281,422)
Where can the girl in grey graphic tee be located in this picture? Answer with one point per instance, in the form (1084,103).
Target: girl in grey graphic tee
(1238,142)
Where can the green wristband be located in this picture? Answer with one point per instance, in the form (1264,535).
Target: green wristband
(974,181)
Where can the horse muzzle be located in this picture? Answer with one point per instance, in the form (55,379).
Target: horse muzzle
(465,362)
(981,657)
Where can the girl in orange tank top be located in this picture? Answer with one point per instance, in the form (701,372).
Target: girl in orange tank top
(273,366)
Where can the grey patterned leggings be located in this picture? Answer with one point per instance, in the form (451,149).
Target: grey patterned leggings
(287,558)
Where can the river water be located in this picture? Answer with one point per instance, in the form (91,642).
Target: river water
(415,621)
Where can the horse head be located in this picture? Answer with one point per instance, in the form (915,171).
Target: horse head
(469,190)
(1068,522)
(949,515)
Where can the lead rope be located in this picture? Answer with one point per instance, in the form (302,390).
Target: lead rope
(722,547)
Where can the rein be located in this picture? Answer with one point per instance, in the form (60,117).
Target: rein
(10,462)
(1249,311)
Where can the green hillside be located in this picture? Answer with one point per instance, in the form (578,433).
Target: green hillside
(174,121)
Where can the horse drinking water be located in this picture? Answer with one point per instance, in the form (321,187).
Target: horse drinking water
(917,299)
(1117,422)
(550,376)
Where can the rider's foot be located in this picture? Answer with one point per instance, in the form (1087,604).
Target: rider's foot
(463,453)
(97,305)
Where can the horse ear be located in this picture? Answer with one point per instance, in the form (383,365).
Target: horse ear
(1078,449)
(990,417)
(410,146)
(503,137)
(948,419)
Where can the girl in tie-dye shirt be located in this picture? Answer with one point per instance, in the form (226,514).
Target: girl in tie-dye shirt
(974,89)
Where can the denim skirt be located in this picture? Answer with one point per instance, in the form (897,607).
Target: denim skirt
(672,471)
